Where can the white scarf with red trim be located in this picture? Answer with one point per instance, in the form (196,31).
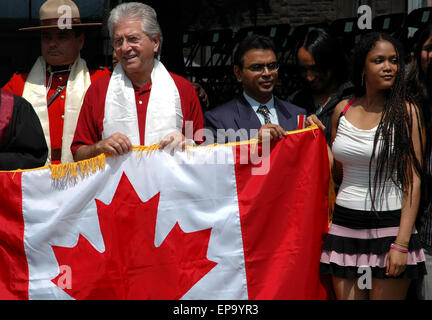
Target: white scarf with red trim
(164,114)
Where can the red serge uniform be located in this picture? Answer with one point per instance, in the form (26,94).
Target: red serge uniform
(90,122)
(56,110)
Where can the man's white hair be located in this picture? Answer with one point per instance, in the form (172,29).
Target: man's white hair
(138,12)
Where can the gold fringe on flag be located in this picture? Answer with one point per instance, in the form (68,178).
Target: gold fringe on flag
(147,149)
(85,167)
(88,166)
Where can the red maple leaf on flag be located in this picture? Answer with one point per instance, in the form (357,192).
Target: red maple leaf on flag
(131,267)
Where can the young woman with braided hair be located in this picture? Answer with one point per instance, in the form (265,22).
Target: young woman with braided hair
(372,250)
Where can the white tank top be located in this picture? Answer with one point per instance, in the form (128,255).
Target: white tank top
(353,148)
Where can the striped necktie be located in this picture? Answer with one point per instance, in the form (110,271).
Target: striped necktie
(265,112)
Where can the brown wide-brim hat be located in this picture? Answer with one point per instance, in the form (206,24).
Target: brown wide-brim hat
(62,14)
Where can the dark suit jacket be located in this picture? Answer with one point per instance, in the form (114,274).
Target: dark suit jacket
(238,114)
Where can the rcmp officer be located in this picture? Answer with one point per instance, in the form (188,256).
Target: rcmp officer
(59,79)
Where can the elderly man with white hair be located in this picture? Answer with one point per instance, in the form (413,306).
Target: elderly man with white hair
(141,103)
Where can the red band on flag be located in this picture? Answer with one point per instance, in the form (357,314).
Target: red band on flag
(283,220)
(13,262)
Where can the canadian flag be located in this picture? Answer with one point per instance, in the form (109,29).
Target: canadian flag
(218,222)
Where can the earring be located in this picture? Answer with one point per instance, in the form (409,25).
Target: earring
(362,80)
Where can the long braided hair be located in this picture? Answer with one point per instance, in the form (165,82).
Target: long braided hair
(393,149)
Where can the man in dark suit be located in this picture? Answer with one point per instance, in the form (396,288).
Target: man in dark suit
(257,113)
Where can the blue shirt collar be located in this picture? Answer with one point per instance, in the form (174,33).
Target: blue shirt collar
(255,104)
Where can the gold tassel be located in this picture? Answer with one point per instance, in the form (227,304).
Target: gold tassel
(14,173)
(70,170)
(148,149)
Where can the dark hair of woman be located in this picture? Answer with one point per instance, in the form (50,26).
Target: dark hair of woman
(426,107)
(419,85)
(427,112)
(396,151)
(327,53)
(416,79)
